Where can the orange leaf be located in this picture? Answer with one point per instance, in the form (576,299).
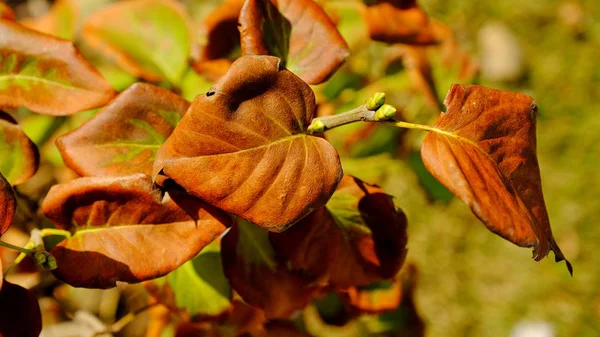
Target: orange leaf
(297,31)
(20,156)
(46,74)
(483,149)
(398,21)
(357,238)
(8,206)
(242,147)
(6,12)
(251,265)
(139,119)
(124,231)
(21,315)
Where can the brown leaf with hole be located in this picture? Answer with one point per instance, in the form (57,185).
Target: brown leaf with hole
(8,205)
(359,237)
(46,74)
(483,149)
(297,31)
(20,156)
(123,230)
(20,312)
(259,277)
(242,147)
(123,138)
(399,21)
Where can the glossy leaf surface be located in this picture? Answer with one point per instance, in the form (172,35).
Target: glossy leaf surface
(242,147)
(483,149)
(149,38)
(200,286)
(20,156)
(297,31)
(8,206)
(357,238)
(251,265)
(122,230)
(398,21)
(21,315)
(46,74)
(123,138)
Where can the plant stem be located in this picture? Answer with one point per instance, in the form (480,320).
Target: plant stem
(17,248)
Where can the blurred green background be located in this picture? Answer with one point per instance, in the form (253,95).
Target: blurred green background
(472,282)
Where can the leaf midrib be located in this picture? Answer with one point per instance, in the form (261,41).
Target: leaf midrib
(38,79)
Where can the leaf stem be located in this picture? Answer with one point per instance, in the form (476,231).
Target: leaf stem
(17,248)
(361,113)
(55,231)
(407,125)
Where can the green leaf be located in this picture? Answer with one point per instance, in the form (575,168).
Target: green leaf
(20,157)
(150,39)
(200,286)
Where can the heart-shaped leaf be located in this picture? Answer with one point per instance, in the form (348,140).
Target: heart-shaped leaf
(483,149)
(6,12)
(21,315)
(297,31)
(251,265)
(123,138)
(8,206)
(20,156)
(200,286)
(149,38)
(242,147)
(398,21)
(359,237)
(122,230)
(46,74)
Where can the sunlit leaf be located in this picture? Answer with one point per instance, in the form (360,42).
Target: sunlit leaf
(376,297)
(251,265)
(242,147)
(8,206)
(484,150)
(123,138)
(60,20)
(297,31)
(123,230)
(200,286)
(20,157)
(150,38)
(357,238)
(398,21)
(21,315)
(46,74)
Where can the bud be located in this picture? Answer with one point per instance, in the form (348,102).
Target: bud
(385,112)
(39,257)
(50,263)
(316,126)
(375,101)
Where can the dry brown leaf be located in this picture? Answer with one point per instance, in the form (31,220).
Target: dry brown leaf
(242,147)
(123,138)
(123,230)
(484,150)
(297,31)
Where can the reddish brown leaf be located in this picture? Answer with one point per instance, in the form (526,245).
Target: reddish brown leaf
(251,265)
(20,312)
(20,156)
(124,137)
(242,147)
(222,39)
(46,74)
(283,328)
(6,12)
(122,230)
(359,237)
(8,206)
(484,150)
(398,21)
(297,31)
